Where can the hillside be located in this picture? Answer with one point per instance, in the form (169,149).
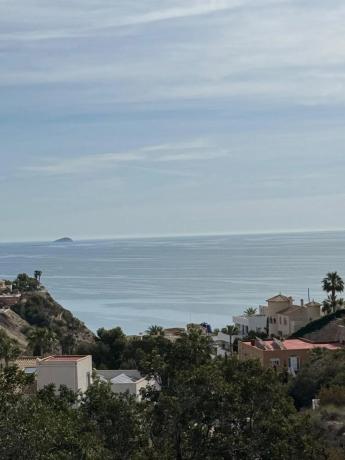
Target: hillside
(13,325)
(323,329)
(40,310)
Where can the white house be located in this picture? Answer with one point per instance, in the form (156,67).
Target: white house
(252,323)
(122,381)
(73,371)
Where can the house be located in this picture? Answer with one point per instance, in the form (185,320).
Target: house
(122,381)
(285,318)
(9,299)
(288,354)
(174,333)
(221,343)
(2,286)
(250,323)
(73,371)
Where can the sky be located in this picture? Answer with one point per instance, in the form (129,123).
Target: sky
(153,117)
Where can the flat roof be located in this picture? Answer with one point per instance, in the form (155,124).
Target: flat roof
(297,344)
(60,358)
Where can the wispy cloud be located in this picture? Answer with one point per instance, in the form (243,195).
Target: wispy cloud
(197,150)
(83,18)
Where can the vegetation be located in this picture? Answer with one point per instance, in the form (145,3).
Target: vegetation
(40,311)
(38,275)
(324,369)
(41,341)
(206,409)
(9,349)
(318,323)
(25,283)
(155,330)
(231,330)
(250,311)
(332,284)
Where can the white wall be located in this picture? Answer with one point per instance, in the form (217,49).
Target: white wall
(73,374)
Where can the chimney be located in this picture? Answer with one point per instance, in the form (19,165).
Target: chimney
(302,303)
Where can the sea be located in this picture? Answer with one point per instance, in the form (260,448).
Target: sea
(171,281)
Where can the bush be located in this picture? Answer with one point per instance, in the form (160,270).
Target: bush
(318,324)
(334,395)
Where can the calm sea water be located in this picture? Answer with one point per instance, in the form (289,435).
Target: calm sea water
(133,283)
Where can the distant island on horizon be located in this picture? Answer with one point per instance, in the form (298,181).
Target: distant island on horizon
(65,239)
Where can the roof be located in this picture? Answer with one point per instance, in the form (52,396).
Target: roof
(313,304)
(292,310)
(122,378)
(288,310)
(64,358)
(24,362)
(296,344)
(279,298)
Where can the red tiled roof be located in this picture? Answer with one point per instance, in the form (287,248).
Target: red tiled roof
(298,344)
(64,358)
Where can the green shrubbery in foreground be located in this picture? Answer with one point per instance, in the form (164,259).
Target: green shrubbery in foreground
(207,409)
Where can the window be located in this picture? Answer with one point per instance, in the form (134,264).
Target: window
(88,378)
(275,362)
(294,362)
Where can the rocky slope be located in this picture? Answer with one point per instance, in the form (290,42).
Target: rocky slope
(39,309)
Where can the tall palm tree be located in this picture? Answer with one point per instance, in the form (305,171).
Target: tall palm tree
(38,275)
(9,349)
(332,284)
(155,330)
(41,341)
(250,311)
(231,330)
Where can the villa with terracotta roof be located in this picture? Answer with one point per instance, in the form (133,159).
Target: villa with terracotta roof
(285,318)
(290,354)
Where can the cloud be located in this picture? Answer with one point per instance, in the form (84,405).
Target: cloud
(80,19)
(197,150)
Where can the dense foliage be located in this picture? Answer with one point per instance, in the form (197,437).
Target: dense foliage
(324,369)
(206,409)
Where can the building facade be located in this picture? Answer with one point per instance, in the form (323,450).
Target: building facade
(290,354)
(122,381)
(73,371)
(252,323)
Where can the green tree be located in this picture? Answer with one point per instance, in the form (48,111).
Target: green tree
(9,349)
(42,341)
(24,283)
(332,284)
(117,419)
(324,368)
(227,410)
(231,330)
(250,311)
(37,276)
(155,330)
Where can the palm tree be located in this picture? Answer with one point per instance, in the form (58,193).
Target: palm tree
(155,330)
(9,349)
(41,341)
(250,311)
(38,275)
(231,330)
(332,284)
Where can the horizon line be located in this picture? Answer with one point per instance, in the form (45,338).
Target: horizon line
(176,235)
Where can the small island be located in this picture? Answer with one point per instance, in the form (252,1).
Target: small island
(64,240)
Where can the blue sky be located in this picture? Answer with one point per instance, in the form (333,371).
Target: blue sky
(164,116)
